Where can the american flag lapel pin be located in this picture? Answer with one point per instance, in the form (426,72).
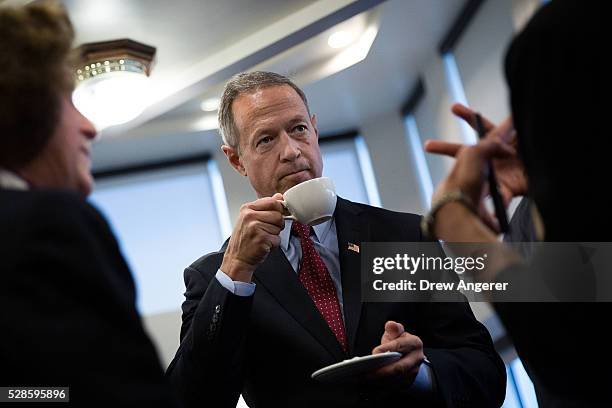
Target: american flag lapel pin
(353,247)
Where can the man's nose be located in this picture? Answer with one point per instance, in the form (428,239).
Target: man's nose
(290,149)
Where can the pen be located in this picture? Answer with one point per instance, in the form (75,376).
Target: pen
(500,211)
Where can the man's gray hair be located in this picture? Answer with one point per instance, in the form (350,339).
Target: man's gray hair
(247,82)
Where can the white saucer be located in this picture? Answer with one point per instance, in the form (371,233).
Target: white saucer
(355,366)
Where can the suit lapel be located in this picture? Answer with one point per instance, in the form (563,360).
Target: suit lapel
(279,278)
(351,229)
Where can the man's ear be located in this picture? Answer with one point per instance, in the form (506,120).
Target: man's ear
(234,159)
(313,120)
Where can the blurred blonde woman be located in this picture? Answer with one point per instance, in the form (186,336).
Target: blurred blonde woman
(66,294)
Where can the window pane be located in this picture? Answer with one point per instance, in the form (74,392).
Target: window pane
(512,399)
(458,93)
(418,155)
(519,388)
(524,385)
(164,220)
(341,164)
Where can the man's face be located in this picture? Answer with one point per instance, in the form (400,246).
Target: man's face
(67,156)
(279,142)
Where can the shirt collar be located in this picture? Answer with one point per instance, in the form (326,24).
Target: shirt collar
(11,181)
(320,231)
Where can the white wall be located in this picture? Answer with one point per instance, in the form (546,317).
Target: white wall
(237,188)
(395,170)
(164,329)
(433,116)
(480,55)
(522,10)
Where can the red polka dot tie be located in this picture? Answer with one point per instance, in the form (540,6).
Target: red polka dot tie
(318,283)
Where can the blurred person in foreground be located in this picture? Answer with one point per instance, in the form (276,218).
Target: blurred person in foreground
(556,75)
(253,323)
(67,297)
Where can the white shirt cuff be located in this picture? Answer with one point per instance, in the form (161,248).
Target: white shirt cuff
(235,287)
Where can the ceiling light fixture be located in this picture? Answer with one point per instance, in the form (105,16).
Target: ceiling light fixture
(112,81)
(340,39)
(210,104)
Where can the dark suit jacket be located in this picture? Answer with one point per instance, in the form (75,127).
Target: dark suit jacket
(67,302)
(268,345)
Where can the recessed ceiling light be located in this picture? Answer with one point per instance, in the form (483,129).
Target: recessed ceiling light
(206,122)
(340,39)
(210,104)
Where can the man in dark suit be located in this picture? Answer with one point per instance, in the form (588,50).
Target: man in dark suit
(253,323)
(67,298)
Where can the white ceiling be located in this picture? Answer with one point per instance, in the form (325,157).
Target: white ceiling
(201,43)
(184,32)
(410,31)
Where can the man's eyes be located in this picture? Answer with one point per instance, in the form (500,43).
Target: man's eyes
(264,140)
(299,129)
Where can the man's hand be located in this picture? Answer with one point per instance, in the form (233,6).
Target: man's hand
(509,169)
(402,373)
(256,233)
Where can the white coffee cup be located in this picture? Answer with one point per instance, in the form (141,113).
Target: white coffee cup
(311,202)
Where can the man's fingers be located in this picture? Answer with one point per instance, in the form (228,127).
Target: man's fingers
(491,148)
(452,149)
(268,228)
(272,217)
(463,112)
(411,348)
(392,331)
(408,365)
(505,131)
(267,241)
(403,344)
(274,241)
(266,204)
(441,147)
(394,326)
(469,115)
